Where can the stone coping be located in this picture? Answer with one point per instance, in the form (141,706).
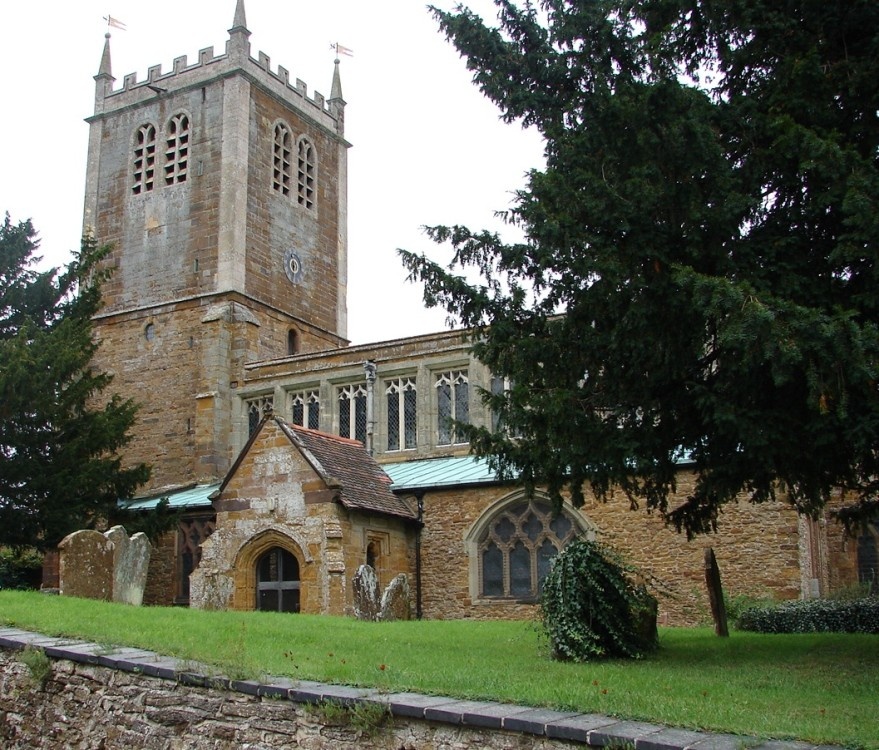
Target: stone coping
(589,729)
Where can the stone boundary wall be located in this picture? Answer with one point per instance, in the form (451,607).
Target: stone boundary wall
(96,697)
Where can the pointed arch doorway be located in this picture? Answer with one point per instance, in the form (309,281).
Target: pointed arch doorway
(277,581)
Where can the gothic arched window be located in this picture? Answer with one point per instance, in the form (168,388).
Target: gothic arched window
(177,149)
(305,409)
(515,549)
(282,156)
(402,401)
(306,173)
(277,581)
(352,412)
(144,159)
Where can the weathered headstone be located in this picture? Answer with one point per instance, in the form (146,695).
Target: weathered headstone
(367,602)
(715,593)
(131,559)
(395,600)
(86,567)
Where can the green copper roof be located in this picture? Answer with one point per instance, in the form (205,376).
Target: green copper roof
(192,497)
(439,472)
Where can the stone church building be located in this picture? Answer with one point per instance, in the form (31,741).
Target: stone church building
(221,185)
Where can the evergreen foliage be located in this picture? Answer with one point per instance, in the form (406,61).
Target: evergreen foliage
(59,468)
(707,222)
(814,616)
(591,609)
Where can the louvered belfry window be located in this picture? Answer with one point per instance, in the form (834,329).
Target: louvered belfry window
(282,159)
(177,150)
(144,159)
(306,169)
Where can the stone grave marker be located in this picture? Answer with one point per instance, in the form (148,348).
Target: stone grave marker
(131,559)
(367,603)
(395,600)
(715,593)
(86,567)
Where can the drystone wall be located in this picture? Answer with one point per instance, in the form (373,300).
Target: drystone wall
(84,706)
(56,692)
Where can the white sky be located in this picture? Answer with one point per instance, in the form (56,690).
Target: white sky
(428,148)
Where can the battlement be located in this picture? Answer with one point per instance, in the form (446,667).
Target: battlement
(210,66)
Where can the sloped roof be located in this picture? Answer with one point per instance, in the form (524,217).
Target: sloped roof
(179,499)
(434,473)
(346,465)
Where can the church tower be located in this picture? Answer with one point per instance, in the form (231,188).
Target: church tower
(221,187)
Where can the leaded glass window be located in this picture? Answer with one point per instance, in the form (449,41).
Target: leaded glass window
(402,399)
(306,409)
(257,408)
(306,173)
(352,412)
(177,150)
(144,159)
(517,548)
(282,159)
(453,405)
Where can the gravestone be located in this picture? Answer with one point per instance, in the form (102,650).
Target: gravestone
(395,600)
(367,602)
(131,559)
(715,593)
(86,567)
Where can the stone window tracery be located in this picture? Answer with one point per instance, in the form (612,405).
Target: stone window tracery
(516,548)
(352,412)
(305,409)
(191,533)
(177,150)
(257,408)
(144,159)
(402,401)
(282,159)
(453,405)
(306,171)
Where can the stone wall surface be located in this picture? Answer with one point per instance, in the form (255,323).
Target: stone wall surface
(87,707)
(756,549)
(99,698)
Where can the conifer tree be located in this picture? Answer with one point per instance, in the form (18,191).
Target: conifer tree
(697,277)
(59,468)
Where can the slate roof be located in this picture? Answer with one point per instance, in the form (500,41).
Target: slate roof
(345,464)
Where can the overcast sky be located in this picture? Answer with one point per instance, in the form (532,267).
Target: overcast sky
(428,148)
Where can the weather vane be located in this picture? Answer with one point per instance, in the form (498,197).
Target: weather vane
(114,23)
(342,50)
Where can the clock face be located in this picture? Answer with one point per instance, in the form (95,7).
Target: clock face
(292,267)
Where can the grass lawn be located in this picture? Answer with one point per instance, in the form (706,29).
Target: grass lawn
(822,688)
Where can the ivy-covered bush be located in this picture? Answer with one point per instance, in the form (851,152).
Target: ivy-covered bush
(814,616)
(592,609)
(20,569)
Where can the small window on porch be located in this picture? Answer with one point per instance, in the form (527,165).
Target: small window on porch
(277,588)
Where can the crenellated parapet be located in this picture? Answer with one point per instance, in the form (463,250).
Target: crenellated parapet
(210,66)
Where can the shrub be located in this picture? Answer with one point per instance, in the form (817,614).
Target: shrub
(591,608)
(20,569)
(814,616)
